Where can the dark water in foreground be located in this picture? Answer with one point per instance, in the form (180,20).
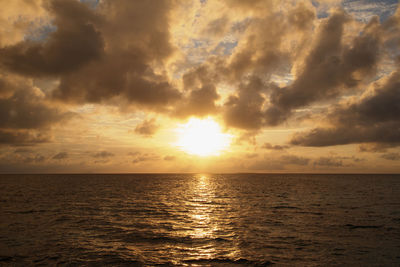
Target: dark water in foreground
(200,220)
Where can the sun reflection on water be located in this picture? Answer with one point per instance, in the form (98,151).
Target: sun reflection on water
(201,212)
(206,221)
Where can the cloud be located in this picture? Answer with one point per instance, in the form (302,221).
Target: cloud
(102,157)
(169,158)
(274,147)
(26,109)
(328,162)
(35,159)
(17,17)
(140,157)
(26,117)
(261,51)
(216,27)
(96,56)
(330,67)
(147,127)
(103,154)
(250,64)
(74,43)
(338,62)
(372,119)
(266,165)
(374,147)
(60,156)
(199,90)
(23,137)
(274,162)
(251,155)
(391,156)
(23,150)
(199,102)
(131,66)
(244,110)
(295,160)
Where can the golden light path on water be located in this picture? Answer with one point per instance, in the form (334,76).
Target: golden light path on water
(207,217)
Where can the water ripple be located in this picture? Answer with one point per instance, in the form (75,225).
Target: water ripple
(199,220)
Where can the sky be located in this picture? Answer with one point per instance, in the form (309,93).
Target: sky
(119,86)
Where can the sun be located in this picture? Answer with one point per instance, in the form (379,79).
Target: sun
(202,137)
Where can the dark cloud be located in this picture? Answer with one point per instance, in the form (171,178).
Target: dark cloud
(26,117)
(26,109)
(250,4)
(281,61)
(301,17)
(335,64)
(140,157)
(9,85)
(373,119)
(352,158)
(147,127)
(23,150)
(34,159)
(330,67)
(117,49)
(23,137)
(274,147)
(385,133)
(261,54)
(391,156)
(274,162)
(251,155)
(328,162)
(103,154)
(199,102)
(200,92)
(295,160)
(374,147)
(75,43)
(169,158)
(117,53)
(216,27)
(256,56)
(101,161)
(60,156)
(137,42)
(267,165)
(244,110)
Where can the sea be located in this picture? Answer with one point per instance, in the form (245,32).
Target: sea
(200,220)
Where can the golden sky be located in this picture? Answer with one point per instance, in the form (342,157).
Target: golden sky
(199,86)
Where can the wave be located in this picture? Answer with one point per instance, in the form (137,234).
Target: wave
(159,238)
(351,226)
(225,261)
(285,207)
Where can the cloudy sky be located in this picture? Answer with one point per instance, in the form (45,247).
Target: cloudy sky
(199,86)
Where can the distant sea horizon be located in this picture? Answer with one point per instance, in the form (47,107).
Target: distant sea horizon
(306,173)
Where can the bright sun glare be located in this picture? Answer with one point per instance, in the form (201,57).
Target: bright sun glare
(202,137)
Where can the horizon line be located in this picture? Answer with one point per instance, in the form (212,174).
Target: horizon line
(213,173)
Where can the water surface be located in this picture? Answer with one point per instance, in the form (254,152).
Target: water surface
(200,220)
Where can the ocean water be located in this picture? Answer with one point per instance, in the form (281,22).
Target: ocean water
(200,220)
